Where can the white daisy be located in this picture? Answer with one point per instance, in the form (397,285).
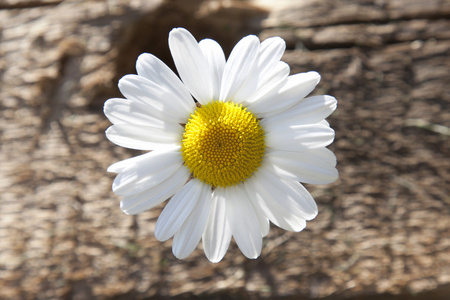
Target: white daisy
(230,163)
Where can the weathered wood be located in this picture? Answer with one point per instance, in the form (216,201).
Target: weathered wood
(383,227)
(308,13)
(362,35)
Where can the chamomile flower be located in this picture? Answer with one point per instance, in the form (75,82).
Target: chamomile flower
(229,143)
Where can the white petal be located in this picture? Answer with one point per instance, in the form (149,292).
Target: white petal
(316,166)
(268,70)
(216,61)
(140,137)
(217,235)
(243,221)
(129,162)
(295,138)
(272,80)
(268,201)
(295,197)
(286,95)
(149,198)
(178,210)
(324,123)
(272,49)
(122,111)
(238,81)
(186,239)
(152,169)
(307,111)
(264,223)
(158,98)
(152,68)
(191,64)
(270,54)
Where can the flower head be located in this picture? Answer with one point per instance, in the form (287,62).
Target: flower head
(229,143)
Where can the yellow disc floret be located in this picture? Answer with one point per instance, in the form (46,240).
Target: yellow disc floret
(223,144)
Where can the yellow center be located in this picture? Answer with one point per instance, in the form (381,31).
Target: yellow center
(223,144)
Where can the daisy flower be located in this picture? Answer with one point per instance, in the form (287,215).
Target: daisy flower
(229,143)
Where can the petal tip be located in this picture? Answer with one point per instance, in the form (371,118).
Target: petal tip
(214,259)
(315,75)
(179,31)
(112,169)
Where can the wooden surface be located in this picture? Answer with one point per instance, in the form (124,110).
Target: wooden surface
(383,228)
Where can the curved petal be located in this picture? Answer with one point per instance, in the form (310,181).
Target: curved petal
(293,89)
(178,210)
(272,49)
(158,98)
(217,235)
(216,61)
(152,68)
(131,162)
(295,138)
(238,81)
(269,205)
(191,64)
(186,239)
(264,223)
(153,168)
(123,111)
(270,53)
(243,221)
(140,137)
(149,198)
(315,166)
(296,199)
(272,80)
(268,70)
(307,111)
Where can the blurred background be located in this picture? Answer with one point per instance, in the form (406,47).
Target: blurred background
(383,229)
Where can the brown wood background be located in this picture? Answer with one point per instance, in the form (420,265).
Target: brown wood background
(383,229)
